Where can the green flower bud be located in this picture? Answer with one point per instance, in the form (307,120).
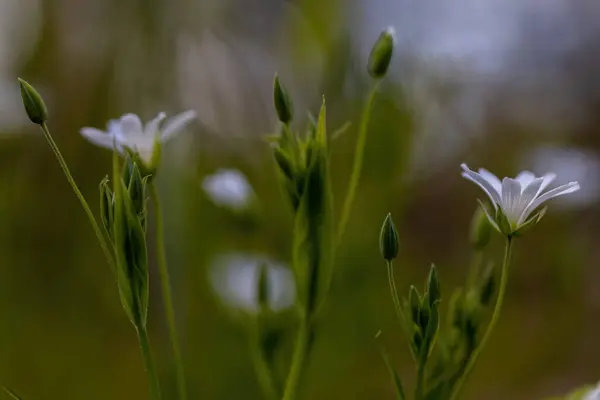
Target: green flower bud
(263,288)
(282,101)
(481,230)
(381,54)
(34,105)
(137,190)
(433,286)
(131,257)
(388,239)
(414,302)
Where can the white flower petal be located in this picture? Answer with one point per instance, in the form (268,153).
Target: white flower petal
(525,178)
(511,195)
(548,179)
(98,137)
(483,184)
(492,179)
(151,128)
(131,125)
(528,195)
(114,128)
(559,191)
(176,124)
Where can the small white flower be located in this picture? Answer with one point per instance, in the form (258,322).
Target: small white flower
(235,278)
(228,187)
(515,200)
(129,133)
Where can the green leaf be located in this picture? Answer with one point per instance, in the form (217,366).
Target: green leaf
(399,389)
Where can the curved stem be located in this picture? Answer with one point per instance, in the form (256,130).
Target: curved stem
(63,164)
(494,320)
(398,306)
(291,385)
(166,291)
(359,154)
(263,372)
(153,382)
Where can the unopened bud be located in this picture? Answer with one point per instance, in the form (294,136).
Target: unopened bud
(282,101)
(388,239)
(381,54)
(263,287)
(33,102)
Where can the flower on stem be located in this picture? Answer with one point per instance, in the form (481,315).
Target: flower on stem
(381,54)
(142,142)
(517,200)
(33,103)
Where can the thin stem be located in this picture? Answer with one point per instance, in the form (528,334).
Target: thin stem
(293,379)
(398,306)
(166,291)
(263,372)
(63,164)
(420,381)
(359,155)
(153,382)
(492,324)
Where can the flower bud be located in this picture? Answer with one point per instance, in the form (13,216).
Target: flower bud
(263,287)
(282,101)
(34,105)
(414,302)
(433,286)
(381,54)
(388,239)
(481,230)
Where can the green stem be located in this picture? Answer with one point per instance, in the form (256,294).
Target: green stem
(359,155)
(398,306)
(166,291)
(475,267)
(153,382)
(492,324)
(301,347)
(263,372)
(420,381)
(63,164)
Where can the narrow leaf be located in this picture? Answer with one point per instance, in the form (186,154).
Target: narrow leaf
(399,389)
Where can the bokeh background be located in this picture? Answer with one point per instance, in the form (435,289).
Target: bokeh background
(502,84)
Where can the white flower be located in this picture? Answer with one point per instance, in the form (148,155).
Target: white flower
(593,394)
(228,187)
(129,133)
(515,200)
(235,278)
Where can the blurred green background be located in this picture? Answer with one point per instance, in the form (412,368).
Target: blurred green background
(505,85)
